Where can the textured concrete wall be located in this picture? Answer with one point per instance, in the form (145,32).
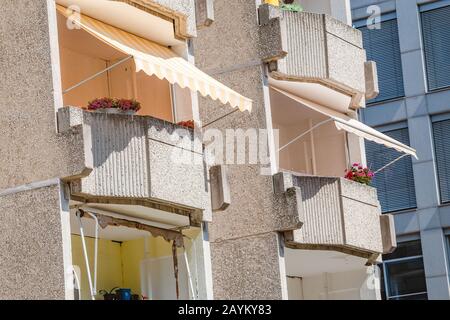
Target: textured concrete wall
(30,148)
(340,214)
(139,157)
(31,251)
(185,7)
(258,264)
(254,209)
(319,48)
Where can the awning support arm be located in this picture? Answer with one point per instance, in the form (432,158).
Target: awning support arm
(188,269)
(86,258)
(305,133)
(97,74)
(195,261)
(220,118)
(391,163)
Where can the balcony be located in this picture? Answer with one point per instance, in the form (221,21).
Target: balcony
(320,55)
(137,160)
(339,215)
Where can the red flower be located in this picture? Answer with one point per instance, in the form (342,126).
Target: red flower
(359,174)
(122,104)
(188,124)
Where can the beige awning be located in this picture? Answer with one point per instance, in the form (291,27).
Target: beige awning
(155,59)
(344,122)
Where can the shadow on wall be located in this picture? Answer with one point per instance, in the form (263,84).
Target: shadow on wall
(112,135)
(312,186)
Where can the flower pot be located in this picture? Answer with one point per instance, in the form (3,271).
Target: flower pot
(116,111)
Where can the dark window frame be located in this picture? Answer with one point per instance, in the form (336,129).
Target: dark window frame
(386,290)
(374,102)
(442,198)
(425,9)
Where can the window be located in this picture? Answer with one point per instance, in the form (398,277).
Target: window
(436,42)
(441,134)
(402,273)
(395,184)
(383,47)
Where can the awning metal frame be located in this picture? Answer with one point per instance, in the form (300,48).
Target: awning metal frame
(97,74)
(317,125)
(110,221)
(92,284)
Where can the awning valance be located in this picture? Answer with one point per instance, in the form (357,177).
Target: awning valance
(344,122)
(155,59)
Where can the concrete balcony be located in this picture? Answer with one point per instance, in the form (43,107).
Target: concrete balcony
(319,51)
(137,160)
(337,214)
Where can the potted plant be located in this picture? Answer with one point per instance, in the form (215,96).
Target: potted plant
(188,124)
(109,105)
(359,174)
(289,5)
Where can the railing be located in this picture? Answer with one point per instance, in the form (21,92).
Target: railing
(315,48)
(337,214)
(140,158)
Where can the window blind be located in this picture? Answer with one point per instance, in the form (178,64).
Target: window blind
(395,184)
(383,47)
(436,42)
(441,134)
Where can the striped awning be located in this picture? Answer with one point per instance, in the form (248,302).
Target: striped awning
(344,122)
(158,60)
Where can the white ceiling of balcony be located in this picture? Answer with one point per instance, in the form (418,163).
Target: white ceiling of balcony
(305,263)
(144,215)
(128,18)
(315,92)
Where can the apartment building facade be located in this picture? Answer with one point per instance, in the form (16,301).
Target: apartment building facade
(410,43)
(94,198)
(299,232)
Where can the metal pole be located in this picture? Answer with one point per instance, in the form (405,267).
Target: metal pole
(188,269)
(391,163)
(95,250)
(220,118)
(305,133)
(195,261)
(97,74)
(86,258)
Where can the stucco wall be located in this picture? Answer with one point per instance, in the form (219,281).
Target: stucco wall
(245,254)
(258,267)
(186,7)
(30,148)
(31,250)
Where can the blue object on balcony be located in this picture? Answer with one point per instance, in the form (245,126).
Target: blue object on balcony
(124,294)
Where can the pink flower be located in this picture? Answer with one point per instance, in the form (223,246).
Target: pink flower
(360,174)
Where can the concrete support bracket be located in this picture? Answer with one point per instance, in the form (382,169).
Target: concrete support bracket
(282,182)
(267,13)
(371,75)
(220,188)
(388,233)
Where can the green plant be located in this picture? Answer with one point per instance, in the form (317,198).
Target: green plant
(289,5)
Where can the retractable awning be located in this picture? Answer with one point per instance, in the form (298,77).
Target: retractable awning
(155,59)
(344,122)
